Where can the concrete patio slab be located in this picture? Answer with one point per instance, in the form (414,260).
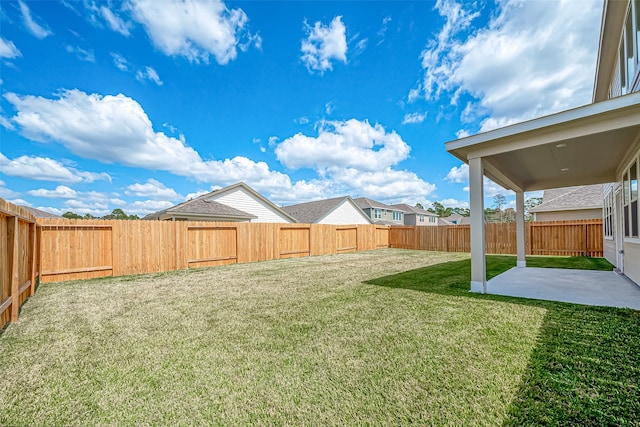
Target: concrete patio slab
(603,288)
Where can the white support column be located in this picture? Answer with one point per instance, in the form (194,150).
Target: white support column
(520,242)
(478,257)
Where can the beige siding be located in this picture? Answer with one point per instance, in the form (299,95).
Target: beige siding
(344,214)
(632,261)
(244,201)
(609,248)
(568,215)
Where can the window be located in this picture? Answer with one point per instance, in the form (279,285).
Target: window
(377,214)
(397,216)
(421,218)
(432,219)
(607,215)
(628,52)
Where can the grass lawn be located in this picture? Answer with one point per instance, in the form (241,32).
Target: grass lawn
(388,337)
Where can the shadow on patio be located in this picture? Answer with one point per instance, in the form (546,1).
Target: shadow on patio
(585,368)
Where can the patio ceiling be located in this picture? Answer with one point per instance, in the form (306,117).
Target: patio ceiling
(586,145)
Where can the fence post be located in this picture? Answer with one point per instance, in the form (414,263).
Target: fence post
(13,250)
(32,257)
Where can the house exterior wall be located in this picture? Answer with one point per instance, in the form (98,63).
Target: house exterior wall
(414,219)
(345,214)
(385,215)
(568,215)
(240,199)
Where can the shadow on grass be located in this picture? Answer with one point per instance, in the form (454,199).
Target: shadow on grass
(585,369)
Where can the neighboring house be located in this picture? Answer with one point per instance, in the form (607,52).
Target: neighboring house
(236,203)
(457,219)
(558,204)
(379,212)
(598,143)
(338,211)
(417,216)
(39,213)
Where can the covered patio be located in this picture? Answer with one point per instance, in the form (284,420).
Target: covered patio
(586,145)
(603,288)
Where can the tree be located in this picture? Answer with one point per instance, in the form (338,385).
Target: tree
(419,206)
(119,214)
(71,215)
(530,204)
(462,211)
(499,201)
(440,210)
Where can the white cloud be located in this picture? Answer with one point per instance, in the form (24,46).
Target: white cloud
(149,74)
(414,118)
(193,29)
(323,44)
(153,189)
(82,54)
(60,192)
(384,185)
(5,192)
(384,27)
(459,174)
(542,59)
(454,203)
(119,61)
(8,49)
(350,143)
(115,129)
(462,133)
(20,202)
(46,169)
(328,108)
(115,22)
(36,29)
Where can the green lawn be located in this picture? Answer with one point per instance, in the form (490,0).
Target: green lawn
(388,337)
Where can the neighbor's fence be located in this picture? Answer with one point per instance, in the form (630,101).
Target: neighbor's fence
(82,249)
(563,238)
(18,259)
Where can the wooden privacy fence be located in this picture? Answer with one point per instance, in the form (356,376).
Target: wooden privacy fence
(561,238)
(18,259)
(57,249)
(82,249)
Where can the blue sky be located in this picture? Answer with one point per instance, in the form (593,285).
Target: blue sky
(142,104)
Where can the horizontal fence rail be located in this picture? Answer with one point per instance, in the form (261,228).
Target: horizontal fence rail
(556,238)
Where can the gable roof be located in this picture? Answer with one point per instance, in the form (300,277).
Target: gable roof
(571,198)
(313,212)
(365,203)
(457,219)
(254,193)
(39,213)
(200,206)
(412,209)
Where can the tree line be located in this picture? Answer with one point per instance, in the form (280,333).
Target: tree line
(496,213)
(115,214)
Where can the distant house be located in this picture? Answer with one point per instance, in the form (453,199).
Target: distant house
(582,202)
(39,213)
(417,216)
(339,211)
(379,212)
(236,203)
(455,219)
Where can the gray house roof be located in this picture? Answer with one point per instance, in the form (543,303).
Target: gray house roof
(365,203)
(412,209)
(204,208)
(313,212)
(39,213)
(571,198)
(457,219)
